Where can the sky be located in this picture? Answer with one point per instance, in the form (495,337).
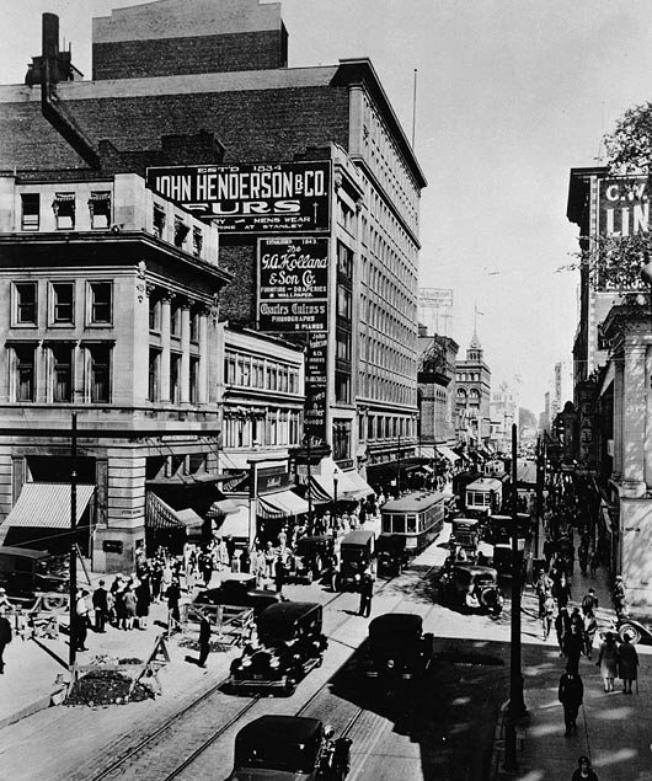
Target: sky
(510,95)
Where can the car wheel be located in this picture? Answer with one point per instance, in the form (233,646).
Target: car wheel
(632,631)
(55,602)
(318,564)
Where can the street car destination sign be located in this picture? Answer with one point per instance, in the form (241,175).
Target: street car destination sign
(252,197)
(293,283)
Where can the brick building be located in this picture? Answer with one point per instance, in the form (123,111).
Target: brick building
(473,395)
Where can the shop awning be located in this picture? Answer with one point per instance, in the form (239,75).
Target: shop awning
(323,486)
(236,524)
(283,504)
(222,507)
(47,505)
(448,454)
(159,515)
(362,486)
(427,452)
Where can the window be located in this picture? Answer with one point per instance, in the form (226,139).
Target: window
(101,295)
(344,261)
(24,377)
(61,373)
(343,302)
(194,327)
(229,369)
(343,387)
(100,373)
(197,242)
(159,221)
(63,206)
(175,378)
(341,439)
(26,303)
(194,380)
(99,206)
(154,389)
(343,345)
(63,302)
(180,232)
(30,211)
(154,313)
(175,319)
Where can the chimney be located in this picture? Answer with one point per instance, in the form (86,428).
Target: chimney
(50,35)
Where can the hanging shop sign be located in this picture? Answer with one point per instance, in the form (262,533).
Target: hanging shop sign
(293,284)
(252,197)
(315,384)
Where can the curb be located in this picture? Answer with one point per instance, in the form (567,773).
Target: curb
(46,701)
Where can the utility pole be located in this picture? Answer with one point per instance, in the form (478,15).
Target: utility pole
(72,650)
(307,440)
(516,703)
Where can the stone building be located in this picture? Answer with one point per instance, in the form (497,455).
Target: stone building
(437,388)
(473,396)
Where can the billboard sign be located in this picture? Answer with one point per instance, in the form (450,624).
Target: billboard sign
(293,284)
(252,197)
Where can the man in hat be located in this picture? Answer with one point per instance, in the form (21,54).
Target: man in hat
(204,640)
(100,603)
(619,596)
(571,694)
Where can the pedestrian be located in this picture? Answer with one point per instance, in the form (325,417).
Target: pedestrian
(236,561)
(562,627)
(5,636)
(590,628)
(589,601)
(143,601)
(173,596)
(573,647)
(583,558)
(157,579)
(79,628)
(594,561)
(270,558)
(366,593)
(207,568)
(571,694)
(608,660)
(543,584)
(101,606)
(548,613)
(584,771)
(627,663)
(129,607)
(204,640)
(166,578)
(119,606)
(279,575)
(619,596)
(562,590)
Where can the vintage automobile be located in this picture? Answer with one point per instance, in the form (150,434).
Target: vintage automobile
(28,574)
(356,554)
(289,747)
(238,591)
(465,532)
(391,554)
(290,644)
(396,648)
(312,557)
(460,581)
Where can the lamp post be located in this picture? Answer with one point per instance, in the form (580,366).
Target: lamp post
(516,703)
(335,523)
(72,649)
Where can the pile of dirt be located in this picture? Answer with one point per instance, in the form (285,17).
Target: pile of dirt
(106,687)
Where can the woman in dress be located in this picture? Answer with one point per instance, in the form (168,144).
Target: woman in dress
(627,663)
(608,660)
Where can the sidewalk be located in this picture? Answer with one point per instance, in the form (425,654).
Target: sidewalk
(614,730)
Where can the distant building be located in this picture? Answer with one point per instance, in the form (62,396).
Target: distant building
(504,413)
(437,386)
(473,396)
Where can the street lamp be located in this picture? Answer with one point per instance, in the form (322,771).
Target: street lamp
(334,521)
(72,649)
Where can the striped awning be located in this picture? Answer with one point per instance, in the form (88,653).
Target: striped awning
(222,507)
(284,504)
(235,524)
(159,515)
(47,505)
(448,454)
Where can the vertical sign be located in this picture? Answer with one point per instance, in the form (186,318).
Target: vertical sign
(316,381)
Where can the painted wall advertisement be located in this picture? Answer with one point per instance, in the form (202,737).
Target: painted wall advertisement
(624,206)
(293,284)
(316,381)
(252,197)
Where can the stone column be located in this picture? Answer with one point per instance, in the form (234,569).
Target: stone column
(165,348)
(633,416)
(202,377)
(184,378)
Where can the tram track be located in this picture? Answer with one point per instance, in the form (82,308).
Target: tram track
(173,723)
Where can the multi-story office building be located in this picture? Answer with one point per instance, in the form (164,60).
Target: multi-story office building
(503,410)
(437,389)
(110,308)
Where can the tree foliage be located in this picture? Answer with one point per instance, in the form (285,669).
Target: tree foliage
(629,147)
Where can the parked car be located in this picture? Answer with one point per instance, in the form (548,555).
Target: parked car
(461,580)
(239,592)
(391,554)
(289,747)
(356,554)
(396,648)
(27,574)
(312,556)
(290,644)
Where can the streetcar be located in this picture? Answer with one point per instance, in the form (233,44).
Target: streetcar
(417,517)
(483,497)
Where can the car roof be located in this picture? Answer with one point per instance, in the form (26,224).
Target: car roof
(484,482)
(27,553)
(288,611)
(358,537)
(287,729)
(396,624)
